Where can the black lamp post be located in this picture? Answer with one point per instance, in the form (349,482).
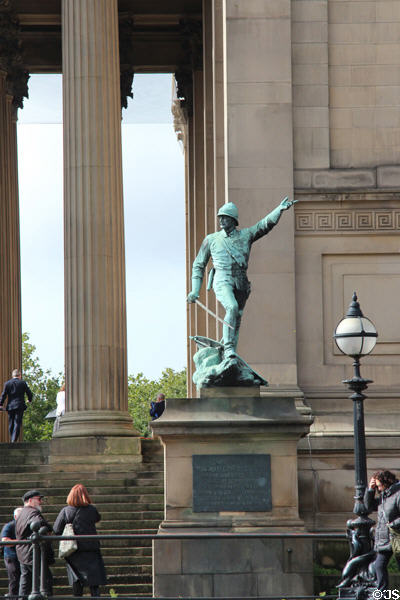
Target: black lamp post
(355,336)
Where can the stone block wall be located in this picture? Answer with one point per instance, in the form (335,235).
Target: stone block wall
(232,568)
(364,46)
(310,84)
(346,83)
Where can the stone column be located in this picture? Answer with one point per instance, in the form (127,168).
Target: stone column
(219,101)
(199,192)
(95,311)
(10,280)
(210,196)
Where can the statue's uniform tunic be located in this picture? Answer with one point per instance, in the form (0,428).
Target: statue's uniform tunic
(230,255)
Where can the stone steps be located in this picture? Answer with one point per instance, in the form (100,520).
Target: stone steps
(127,493)
(116,486)
(13,497)
(119,589)
(126,573)
(30,472)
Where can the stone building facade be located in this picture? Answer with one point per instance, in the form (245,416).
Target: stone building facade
(273,98)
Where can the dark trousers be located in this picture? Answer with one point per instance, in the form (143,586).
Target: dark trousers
(14,572)
(14,423)
(77,589)
(381,563)
(25,583)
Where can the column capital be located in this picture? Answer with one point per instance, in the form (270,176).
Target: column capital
(191,60)
(180,122)
(126,56)
(184,89)
(11,60)
(191,34)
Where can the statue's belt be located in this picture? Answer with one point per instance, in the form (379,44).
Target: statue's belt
(235,270)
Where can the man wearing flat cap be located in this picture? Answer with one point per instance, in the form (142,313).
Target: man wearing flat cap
(31,512)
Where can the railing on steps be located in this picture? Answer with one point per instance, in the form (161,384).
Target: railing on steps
(38,540)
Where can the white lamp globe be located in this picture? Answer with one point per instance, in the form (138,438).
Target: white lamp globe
(355,335)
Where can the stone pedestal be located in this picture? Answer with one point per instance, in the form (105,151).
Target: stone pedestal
(231,466)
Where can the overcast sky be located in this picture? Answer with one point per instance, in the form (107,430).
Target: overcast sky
(153,170)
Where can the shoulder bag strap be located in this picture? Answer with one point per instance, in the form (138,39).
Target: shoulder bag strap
(73,518)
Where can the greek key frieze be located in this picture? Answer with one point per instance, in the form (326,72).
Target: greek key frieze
(347,220)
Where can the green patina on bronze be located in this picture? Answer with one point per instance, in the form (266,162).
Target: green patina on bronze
(229,250)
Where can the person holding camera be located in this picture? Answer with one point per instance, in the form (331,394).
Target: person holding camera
(383,495)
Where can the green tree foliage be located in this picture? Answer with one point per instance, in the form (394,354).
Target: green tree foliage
(141,391)
(44,388)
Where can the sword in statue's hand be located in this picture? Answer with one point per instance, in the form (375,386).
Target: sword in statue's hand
(210,312)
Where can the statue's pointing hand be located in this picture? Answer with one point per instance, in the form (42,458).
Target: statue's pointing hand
(286,203)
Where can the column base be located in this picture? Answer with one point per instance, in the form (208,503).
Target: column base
(96,422)
(95,453)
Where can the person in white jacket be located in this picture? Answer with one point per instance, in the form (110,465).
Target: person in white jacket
(60,410)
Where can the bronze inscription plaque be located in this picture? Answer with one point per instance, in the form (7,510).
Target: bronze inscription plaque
(234,482)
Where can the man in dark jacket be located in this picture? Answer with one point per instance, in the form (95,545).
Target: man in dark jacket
(386,484)
(31,512)
(157,407)
(15,389)
(10,555)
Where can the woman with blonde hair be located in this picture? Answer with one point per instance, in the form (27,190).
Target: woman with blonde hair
(85,567)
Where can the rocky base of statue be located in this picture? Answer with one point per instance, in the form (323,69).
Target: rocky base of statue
(212,369)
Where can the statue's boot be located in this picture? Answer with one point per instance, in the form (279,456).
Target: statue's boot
(237,327)
(232,336)
(229,351)
(229,338)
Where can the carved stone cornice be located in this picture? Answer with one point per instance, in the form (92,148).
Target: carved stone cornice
(11,55)
(126,57)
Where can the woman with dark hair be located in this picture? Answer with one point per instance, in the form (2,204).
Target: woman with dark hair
(85,567)
(386,484)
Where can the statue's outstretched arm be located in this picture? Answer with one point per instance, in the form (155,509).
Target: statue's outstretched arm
(267,223)
(274,216)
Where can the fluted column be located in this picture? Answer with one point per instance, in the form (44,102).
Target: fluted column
(10,286)
(95,309)
(211,208)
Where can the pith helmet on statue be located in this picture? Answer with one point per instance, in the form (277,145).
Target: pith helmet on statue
(229,210)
